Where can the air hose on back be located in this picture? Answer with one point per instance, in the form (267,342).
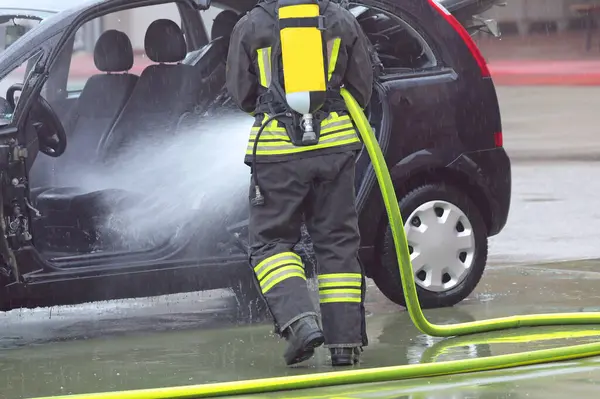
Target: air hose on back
(393,373)
(259,199)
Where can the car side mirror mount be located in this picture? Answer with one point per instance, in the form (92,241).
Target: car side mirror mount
(10,34)
(202,4)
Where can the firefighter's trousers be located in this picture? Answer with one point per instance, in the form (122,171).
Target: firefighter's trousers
(322,189)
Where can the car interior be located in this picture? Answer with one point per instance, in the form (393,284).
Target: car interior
(398,45)
(115,110)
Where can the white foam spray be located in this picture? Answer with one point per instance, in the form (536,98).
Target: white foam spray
(194,180)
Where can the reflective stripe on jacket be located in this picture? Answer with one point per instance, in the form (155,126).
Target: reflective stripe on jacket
(336,130)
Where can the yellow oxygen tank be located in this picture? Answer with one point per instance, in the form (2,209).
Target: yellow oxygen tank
(303,58)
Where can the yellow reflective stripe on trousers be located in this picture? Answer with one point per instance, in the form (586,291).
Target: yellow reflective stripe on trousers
(290,257)
(340,287)
(277,268)
(340,295)
(340,282)
(281,274)
(333,49)
(339,277)
(264,65)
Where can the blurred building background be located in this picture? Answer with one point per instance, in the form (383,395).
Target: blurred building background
(531,28)
(554,29)
(524,15)
(544,29)
(534,32)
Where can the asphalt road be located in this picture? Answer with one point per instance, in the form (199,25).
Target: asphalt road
(193,338)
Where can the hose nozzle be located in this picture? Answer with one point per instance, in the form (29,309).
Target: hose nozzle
(258,199)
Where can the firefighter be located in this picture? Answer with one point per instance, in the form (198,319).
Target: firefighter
(302,167)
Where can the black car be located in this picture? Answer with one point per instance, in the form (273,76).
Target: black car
(130,182)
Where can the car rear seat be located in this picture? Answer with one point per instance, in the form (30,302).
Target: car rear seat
(165,93)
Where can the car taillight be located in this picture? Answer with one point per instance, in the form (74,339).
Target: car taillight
(485,72)
(498,140)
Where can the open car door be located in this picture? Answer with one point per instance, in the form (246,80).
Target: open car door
(468,13)
(17,79)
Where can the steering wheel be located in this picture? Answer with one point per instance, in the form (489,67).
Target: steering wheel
(10,94)
(49,129)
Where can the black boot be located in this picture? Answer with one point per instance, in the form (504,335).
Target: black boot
(303,336)
(344,356)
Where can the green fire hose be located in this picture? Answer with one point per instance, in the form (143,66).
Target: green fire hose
(393,373)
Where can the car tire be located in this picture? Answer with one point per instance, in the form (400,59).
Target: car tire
(421,202)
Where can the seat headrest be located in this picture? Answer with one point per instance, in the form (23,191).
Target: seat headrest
(223,24)
(113,52)
(164,42)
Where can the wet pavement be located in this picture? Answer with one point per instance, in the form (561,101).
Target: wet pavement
(195,338)
(188,339)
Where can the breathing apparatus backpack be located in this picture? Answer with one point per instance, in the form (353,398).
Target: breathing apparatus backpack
(299,58)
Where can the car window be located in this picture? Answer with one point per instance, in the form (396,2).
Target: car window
(19,74)
(399,45)
(133,22)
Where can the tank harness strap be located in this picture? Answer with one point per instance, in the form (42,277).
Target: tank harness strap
(304,22)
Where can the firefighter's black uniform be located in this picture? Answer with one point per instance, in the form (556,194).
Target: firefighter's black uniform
(315,181)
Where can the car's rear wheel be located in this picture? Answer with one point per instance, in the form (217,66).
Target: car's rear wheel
(447,239)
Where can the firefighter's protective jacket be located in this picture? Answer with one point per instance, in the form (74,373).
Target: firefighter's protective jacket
(249,75)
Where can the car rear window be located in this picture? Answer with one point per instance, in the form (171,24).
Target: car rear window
(399,45)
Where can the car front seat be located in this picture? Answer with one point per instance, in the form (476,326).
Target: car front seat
(100,103)
(165,94)
(104,95)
